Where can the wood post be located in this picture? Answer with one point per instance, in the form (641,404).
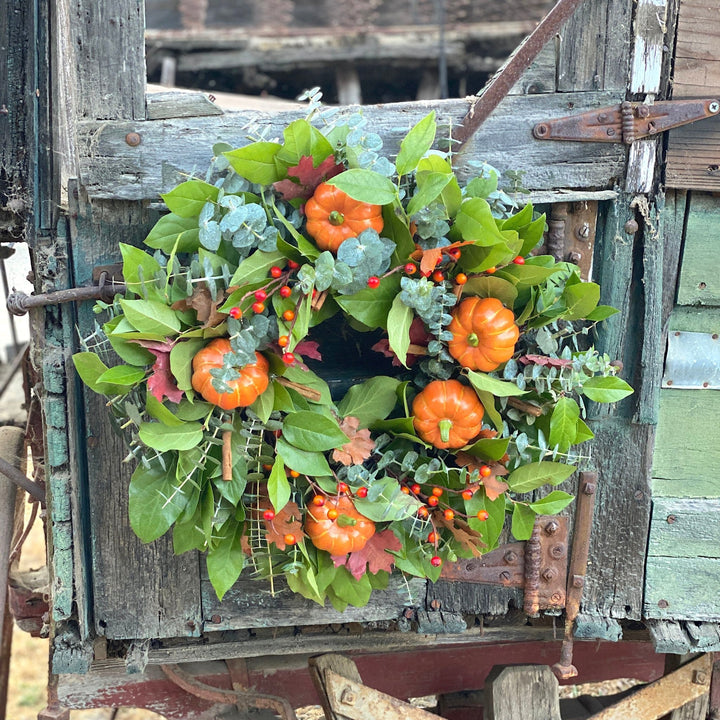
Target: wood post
(348,85)
(522,691)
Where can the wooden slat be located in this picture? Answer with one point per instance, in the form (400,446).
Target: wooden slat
(170,150)
(594,51)
(685,528)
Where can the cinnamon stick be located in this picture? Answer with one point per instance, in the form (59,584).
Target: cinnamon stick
(227,459)
(524,407)
(304,390)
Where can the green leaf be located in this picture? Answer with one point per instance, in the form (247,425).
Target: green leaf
(365,186)
(583,432)
(477,259)
(530,477)
(264,403)
(187,199)
(225,560)
(395,229)
(149,316)
(500,388)
(528,274)
(563,424)
(256,162)
(371,306)
(278,486)
(552,503)
(346,590)
(601,312)
(312,431)
(451,195)
(489,448)
(181,357)
(491,528)
(309,378)
(389,503)
(193,411)
(256,267)
(415,144)
(158,411)
(580,300)
(488,401)
(434,183)
(370,401)
(174,232)
(523,520)
(605,389)
(303,140)
(187,534)
(122,376)
(531,235)
(91,368)
(491,286)
(162,437)
(139,270)
(399,320)
(154,501)
(303,461)
(475,222)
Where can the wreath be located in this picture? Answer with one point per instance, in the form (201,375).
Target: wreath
(241,448)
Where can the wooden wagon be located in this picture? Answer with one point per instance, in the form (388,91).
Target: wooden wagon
(85,156)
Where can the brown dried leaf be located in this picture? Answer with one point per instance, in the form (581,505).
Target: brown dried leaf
(374,555)
(287,521)
(204,306)
(360,446)
(494,487)
(462,532)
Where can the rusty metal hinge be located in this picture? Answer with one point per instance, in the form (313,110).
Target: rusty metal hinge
(539,566)
(626,122)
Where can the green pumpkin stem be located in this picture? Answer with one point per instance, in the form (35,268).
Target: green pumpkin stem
(445,426)
(473,340)
(336,218)
(346,521)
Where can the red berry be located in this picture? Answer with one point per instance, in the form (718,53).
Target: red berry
(373,281)
(449,514)
(275,271)
(426,273)
(236,313)
(260,295)
(485,471)
(455,254)
(438,260)
(415,488)
(332,514)
(411,268)
(422,511)
(432,537)
(483,515)
(289,315)
(283,340)
(432,501)
(285,291)
(438,276)
(467,494)
(436,561)
(314,293)
(437,492)
(288,358)
(461,278)
(318,501)
(362,492)
(519,260)
(258,307)
(293,265)
(269,515)
(290,539)
(342,487)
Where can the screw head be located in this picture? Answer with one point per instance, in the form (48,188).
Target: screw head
(584,230)
(215,619)
(556,598)
(541,130)
(663,604)
(639,495)
(132,139)
(671,519)
(610,132)
(435,604)
(505,576)
(552,527)
(714,107)
(631,226)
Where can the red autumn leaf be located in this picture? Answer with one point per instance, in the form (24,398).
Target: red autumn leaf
(309,349)
(360,446)
(374,555)
(544,360)
(161,383)
(304,178)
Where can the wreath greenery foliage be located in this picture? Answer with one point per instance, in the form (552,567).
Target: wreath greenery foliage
(333,493)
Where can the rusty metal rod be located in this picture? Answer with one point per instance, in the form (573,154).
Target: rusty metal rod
(19,478)
(499,86)
(18,303)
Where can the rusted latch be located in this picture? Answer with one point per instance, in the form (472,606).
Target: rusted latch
(539,566)
(626,122)
(107,285)
(571,234)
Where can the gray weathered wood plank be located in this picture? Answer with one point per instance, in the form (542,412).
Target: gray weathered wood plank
(173,149)
(685,528)
(522,691)
(678,637)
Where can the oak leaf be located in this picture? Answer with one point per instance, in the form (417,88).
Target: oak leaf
(287,521)
(360,446)
(375,555)
(494,487)
(468,538)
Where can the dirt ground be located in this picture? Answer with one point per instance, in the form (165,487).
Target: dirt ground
(28,678)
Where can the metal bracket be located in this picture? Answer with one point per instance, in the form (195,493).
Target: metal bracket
(571,234)
(539,566)
(692,361)
(626,122)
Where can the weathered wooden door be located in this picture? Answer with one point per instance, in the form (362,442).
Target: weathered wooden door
(122,149)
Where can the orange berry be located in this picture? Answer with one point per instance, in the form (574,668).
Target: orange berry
(318,501)
(483,515)
(491,271)
(285,291)
(449,514)
(289,315)
(290,539)
(294,473)
(258,307)
(485,471)
(461,278)
(438,276)
(275,271)
(422,511)
(405,489)
(415,488)
(467,494)
(362,492)
(332,514)
(437,492)
(235,312)
(283,340)
(519,260)
(432,537)
(410,268)
(433,501)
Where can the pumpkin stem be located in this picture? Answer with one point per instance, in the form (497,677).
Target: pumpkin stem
(346,521)
(445,426)
(336,218)
(473,340)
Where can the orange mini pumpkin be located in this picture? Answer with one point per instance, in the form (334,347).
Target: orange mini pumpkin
(253,380)
(347,532)
(333,217)
(484,333)
(447,414)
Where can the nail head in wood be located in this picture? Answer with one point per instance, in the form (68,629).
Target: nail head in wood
(132,139)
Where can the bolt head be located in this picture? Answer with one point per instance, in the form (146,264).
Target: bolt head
(215,619)
(557,551)
(643,111)
(631,226)
(578,581)
(348,697)
(132,139)
(602,117)
(552,527)
(700,677)
(548,574)
(510,557)
(663,604)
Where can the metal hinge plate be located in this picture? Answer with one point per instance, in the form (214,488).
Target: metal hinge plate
(692,361)
(626,122)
